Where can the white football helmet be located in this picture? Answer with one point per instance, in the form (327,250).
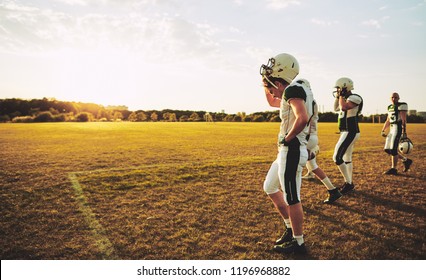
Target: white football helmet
(405,146)
(345,82)
(283,66)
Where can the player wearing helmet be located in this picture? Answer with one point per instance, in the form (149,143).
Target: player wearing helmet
(283,181)
(349,106)
(397,124)
(313,149)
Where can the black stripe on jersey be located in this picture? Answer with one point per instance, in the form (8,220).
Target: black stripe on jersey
(294,92)
(290,184)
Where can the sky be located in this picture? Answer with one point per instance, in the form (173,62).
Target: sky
(205,55)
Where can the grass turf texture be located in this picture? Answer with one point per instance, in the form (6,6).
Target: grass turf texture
(194,191)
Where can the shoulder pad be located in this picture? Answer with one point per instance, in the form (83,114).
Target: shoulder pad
(294,91)
(355,98)
(402,106)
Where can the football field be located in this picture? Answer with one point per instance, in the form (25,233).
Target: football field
(179,191)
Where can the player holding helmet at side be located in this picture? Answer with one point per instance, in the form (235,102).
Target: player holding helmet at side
(284,178)
(349,106)
(397,139)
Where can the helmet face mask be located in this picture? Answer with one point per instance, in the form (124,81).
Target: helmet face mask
(405,146)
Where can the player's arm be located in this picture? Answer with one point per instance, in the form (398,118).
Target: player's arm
(336,104)
(346,105)
(301,118)
(272,100)
(403,115)
(385,126)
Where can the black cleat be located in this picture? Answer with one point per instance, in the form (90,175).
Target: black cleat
(407,163)
(287,237)
(391,171)
(290,247)
(347,188)
(333,195)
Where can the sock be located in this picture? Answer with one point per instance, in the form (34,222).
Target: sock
(299,239)
(344,170)
(350,168)
(327,183)
(287,223)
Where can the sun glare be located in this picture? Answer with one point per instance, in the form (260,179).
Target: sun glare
(102,76)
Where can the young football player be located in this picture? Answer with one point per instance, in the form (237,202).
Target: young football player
(284,178)
(397,124)
(349,106)
(313,149)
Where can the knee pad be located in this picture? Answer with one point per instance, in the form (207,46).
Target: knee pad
(312,164)
(269,188)
(347,158)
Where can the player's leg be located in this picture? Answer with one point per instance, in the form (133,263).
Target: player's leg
(272,188)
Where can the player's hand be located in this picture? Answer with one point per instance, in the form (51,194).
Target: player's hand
(335,94)
(383,134)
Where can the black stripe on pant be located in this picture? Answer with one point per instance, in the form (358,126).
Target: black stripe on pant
(290,184)
(344,147)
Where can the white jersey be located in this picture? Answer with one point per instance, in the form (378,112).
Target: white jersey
(295,90)
(313,127)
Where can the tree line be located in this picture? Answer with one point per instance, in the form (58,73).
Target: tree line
(52,110)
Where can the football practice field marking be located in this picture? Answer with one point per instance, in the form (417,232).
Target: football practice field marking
(104,245)
(98,231)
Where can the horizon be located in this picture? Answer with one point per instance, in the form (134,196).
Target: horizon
(205,55)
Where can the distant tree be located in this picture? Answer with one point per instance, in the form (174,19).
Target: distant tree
(183,118)
(327,117)
(132,117)
(237,118)
(172,117)
(415,119)
(154,116)
(44,117)
(4,118)
(258,118)
(141,117)
(194,117)
(275,118)
(248,118)
(60,118)
(228,118)
(118,116)
(84,117)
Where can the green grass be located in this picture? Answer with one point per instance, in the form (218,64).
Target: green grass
(194,191)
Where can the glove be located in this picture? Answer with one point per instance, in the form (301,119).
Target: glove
(383,134)
(404,135)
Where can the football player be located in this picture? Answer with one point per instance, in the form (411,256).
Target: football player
(284,178)
(349,106)
(397,124)
(313,149)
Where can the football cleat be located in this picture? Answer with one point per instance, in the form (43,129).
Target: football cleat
(290,247)
(333,195)
(391,171)
(407,163)
(347,188)
(287,236)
